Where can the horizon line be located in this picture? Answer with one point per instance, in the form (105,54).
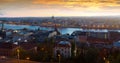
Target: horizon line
(59,16)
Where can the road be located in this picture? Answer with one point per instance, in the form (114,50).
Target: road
(16,61)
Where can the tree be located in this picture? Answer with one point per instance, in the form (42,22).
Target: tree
(92,55)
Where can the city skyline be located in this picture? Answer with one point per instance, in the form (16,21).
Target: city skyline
(46,8)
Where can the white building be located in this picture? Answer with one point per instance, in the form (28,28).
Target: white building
(63,48)
(52,34)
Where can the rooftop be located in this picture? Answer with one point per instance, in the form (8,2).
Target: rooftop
(116,44)
(63,44)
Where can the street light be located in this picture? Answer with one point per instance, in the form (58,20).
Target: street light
(35,49)
(18,50)
(59,57)
(28,58)
(106,60)
(18,55)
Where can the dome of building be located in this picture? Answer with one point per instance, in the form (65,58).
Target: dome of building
(64,43)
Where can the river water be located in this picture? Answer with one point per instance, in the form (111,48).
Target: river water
(62,30)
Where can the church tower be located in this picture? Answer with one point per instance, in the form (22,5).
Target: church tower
(55,27)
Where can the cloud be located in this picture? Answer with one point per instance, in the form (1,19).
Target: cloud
(60,6)
(7,0)
(79,3)
(68,4)
(14,4)
(1,13)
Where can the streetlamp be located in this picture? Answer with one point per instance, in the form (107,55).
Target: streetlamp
(28,58)
(18,50)
(35,49)
(75,52)
(18,55)
(59,57)
(75,48)
(106,60)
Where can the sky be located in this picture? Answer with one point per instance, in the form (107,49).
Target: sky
(46,8)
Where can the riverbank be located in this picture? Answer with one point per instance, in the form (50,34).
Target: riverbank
(82,27)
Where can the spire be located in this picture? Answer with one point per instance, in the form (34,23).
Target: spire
(55,27)
(52,17)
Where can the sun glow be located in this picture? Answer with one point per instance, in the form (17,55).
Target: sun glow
(59,7)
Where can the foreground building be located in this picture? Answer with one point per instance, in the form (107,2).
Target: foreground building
(63,48)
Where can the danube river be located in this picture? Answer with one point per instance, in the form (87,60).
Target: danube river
(62,30)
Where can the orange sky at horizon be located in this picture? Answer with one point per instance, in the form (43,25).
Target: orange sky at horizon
(43,8)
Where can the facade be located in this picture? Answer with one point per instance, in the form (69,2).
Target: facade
(96,36)
(7,49)
(114,36)
(101,35)
(63,48)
